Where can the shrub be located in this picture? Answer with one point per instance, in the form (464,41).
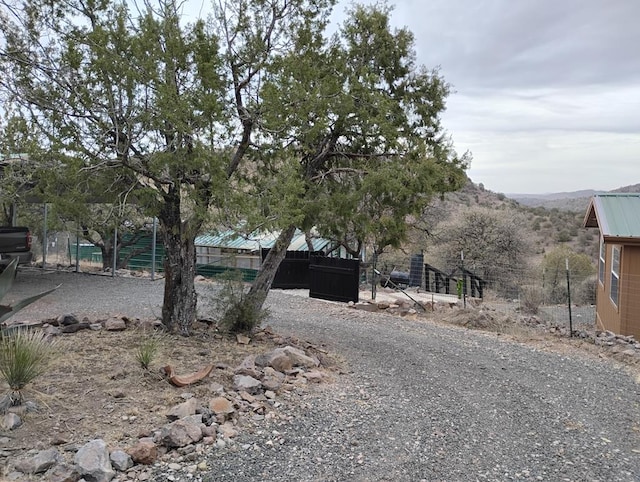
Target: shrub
(235,313)
(586,291)
(24,355)
(531,297)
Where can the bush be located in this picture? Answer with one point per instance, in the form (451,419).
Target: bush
(24,355)
(586,291)
(235,313)
(531,298)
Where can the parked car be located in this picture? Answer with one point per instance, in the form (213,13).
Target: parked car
(15,242)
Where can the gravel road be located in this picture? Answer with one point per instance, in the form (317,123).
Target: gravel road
(419,401)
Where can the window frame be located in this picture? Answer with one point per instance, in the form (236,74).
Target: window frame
(615,275)
(602,262)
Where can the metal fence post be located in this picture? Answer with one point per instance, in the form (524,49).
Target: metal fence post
(45,241)
(153,248)
(569,298)
(115,252)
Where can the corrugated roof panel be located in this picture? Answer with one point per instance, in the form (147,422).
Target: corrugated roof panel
(256,241)
(618,214)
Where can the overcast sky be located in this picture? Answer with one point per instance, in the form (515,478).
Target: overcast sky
(546,92)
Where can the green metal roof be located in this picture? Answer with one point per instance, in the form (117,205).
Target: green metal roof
(257,240)
(617,215)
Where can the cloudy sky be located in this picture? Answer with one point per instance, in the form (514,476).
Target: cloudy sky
(546,92)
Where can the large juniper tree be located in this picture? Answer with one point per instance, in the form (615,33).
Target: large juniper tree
(358,122)
(123,86)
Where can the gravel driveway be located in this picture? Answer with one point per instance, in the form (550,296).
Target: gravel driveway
(419,401)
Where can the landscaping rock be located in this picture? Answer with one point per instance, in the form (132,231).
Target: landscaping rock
(93,462)
(62,473)
(248,367)
(180,433)
(221,406)
(245,383)
(183,410)
(120,460)
(276,359)
(115,324)
(299,358)
(39,463)
(11,421)
(144,452)
(68,319)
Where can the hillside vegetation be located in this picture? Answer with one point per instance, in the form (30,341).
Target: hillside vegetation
(540,229)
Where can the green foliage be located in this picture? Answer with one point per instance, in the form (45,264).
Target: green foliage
(555,275)
(364,131)
(24,355)
(233,313)
(148,348)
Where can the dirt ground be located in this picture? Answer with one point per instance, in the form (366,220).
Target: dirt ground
(95,387)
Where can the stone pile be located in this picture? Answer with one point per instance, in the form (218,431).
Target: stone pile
(192,427)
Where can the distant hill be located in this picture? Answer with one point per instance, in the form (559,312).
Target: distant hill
(576,201)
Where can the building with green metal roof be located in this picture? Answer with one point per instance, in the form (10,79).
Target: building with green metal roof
(617,216)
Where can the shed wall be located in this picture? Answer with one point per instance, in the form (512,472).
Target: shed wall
(608,314)
(630,292)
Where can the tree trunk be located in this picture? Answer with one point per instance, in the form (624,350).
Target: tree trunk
(180,299)
(262,284)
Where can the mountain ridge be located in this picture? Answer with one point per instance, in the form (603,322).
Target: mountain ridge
(567,201)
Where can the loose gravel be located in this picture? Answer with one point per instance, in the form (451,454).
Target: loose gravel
(417,401)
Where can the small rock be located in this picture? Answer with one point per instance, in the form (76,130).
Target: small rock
(174,466)
(313,376)
(246,383)
(39,463)
(68,319)
(62,473)
(227,430)
(144,452)
(180,433)
(11,421)
(183,410)
(121,460)
(242,339)
(93,462)
(115,324)
(202,466)
(221,406)
(299,358)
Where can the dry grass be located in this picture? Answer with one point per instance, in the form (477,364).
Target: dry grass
(97,388)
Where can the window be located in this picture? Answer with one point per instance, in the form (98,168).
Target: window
(615,274)
(601,263)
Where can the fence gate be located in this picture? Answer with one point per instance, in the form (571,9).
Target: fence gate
(293,272)
(334,279)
